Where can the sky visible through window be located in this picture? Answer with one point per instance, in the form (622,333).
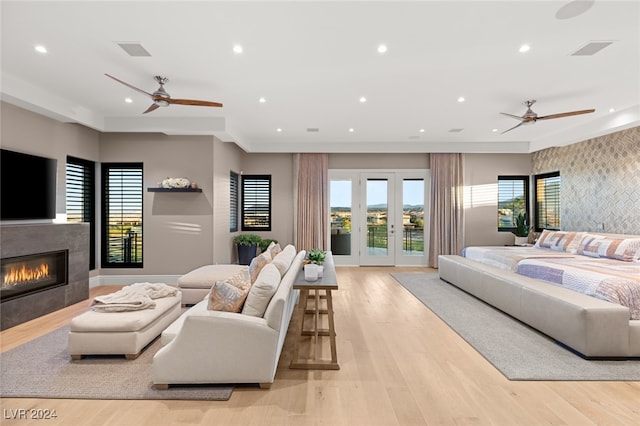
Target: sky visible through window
(413,193)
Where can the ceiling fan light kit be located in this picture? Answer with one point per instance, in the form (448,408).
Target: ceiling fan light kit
(531,117)
(162,99)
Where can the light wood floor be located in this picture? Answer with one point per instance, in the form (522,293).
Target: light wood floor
(400,365)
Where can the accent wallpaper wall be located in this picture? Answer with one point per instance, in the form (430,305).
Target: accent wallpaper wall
(600,181)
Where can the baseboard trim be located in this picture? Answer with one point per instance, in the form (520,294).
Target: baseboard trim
(101,280)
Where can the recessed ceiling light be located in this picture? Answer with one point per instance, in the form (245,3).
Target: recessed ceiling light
(278,130)
(524,48)
(40,49)
(421,130)
(461,99)
(494,130)
(237,49)
(128,100)
(351,130)
(262,100)
(612,110)
(382,48)
(363,99)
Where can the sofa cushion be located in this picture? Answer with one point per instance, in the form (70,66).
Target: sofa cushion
(256,265)
(229,295)
(206,276)
(261,291)
(283,260)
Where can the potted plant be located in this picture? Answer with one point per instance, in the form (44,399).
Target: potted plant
(264,243)
(316,256)
(247,247)
(522,229)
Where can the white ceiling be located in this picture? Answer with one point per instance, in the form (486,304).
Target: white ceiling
(312,61)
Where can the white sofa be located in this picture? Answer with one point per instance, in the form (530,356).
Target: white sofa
(205,346)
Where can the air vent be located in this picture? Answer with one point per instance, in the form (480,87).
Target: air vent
(313,129)
(455,130)
(134,49)
(591,48)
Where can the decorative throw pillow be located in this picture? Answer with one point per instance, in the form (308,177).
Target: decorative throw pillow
(628,250)
(564,241)
(256,265)
(262,291)
(589,245)
(625,249)
(227,297)
(274,249)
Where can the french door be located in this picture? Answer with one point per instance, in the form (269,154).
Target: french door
(378,217)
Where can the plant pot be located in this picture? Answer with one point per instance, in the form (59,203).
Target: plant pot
(522,241)
(246,254)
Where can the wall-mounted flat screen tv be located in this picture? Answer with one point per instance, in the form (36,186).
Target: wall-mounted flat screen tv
(27,185)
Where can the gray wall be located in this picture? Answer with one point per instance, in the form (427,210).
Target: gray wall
(177,227)
(31,133)
(481,173)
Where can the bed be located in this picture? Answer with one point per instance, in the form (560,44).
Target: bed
(581,289)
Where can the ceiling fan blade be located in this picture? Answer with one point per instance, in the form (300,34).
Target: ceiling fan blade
(566,114)
(193,102)
(153,107)
(130,86)
(508,130)
(517,117)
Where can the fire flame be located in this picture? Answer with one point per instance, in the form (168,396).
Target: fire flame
(23,274)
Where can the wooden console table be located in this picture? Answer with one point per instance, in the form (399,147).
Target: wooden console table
(326,283)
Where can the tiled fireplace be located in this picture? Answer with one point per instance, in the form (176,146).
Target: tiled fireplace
(44,267)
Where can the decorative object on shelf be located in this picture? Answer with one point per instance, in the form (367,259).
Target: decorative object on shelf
(247,247)
(522,229)
(174,189)
(176,183)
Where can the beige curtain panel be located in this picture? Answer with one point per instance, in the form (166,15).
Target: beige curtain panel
(447,208)
(312,216)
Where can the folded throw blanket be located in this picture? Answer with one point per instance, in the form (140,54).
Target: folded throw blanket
(133,297)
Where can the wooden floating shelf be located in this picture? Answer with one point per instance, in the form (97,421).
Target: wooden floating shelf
(174,189)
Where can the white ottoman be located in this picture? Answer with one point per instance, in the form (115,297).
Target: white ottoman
(128,333)
(196,284)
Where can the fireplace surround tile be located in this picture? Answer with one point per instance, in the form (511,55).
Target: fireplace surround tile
(24,239)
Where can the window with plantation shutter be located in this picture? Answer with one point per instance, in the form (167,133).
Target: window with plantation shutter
(122,215)
(233,201)
(80,198)
(547,202)
(513,199)
(256,203)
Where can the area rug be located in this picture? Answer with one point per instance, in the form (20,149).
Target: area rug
(43,368)
(515,349)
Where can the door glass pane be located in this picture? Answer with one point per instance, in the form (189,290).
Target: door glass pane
(413,217)
(377,214)
(340,203)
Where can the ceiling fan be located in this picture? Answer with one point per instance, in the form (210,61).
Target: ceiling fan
(162,99)
(531,117)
